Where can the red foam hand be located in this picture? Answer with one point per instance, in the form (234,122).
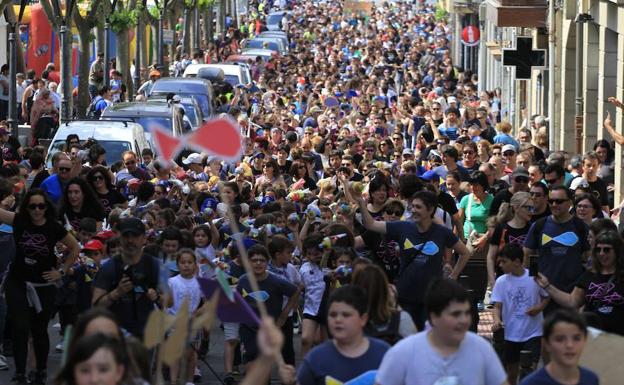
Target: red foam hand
(219,137)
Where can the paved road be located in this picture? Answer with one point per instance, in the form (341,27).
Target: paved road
(214,357)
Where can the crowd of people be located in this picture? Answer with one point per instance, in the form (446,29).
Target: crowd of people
(382,203)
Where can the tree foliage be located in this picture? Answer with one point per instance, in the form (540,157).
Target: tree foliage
(122,18)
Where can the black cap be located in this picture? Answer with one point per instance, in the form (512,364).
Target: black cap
(131,226)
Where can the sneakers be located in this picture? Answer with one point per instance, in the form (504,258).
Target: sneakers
(38,377)
(197,376)
(229,379)
(3,363)
(19,379)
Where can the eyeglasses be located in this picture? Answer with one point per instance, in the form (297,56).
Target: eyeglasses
(40,206)
(557,201)
(129,162)
(521,179)
(370,150)
(98,177)
(509,153)
(64,169)
(396,213)
(605,249)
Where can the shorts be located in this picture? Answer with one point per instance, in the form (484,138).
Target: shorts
(511,354)
(230,331)
(319,319)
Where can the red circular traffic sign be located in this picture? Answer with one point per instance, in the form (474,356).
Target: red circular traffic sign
(470,35)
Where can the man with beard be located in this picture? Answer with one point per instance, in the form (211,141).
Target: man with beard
(127,284)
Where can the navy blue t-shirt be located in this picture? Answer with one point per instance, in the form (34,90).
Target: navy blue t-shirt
(325,360)
(541,377)
(273,289)
(421,256)
(560,247)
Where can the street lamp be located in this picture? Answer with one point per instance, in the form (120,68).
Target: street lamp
(66,90)
(161,29)
(107,45)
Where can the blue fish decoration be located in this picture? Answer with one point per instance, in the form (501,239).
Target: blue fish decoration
(566,239)
(367,378)
(260,296)
(429,248)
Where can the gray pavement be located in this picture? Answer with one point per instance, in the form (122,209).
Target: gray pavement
(214,358)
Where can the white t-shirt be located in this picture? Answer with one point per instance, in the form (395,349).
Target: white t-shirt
(517,295)
(182,288)
(314,285)
(413,361)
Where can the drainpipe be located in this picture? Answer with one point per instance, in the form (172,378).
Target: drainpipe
(578,85)
(482,49)
(551,74)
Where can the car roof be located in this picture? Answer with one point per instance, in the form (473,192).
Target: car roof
(109,130)
(136,109)
(228,68)
(259,52)
(182,85)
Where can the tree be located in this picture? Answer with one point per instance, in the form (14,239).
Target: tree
(85,25)
(122,20)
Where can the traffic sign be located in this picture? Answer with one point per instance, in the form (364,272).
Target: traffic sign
(470,36)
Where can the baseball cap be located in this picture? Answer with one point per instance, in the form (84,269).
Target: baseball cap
(131,225)
(104,235)
(154,73)
(407,151)
(193,158)
(509,147)
(93,244)
(451,99)
(315,109)
(520,171)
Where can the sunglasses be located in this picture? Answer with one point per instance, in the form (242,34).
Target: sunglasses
(509,153)
(130,162)
(605,249)
(370,150)
(98,177)
(396,213)
(64,169)
(557,201)
(40,206)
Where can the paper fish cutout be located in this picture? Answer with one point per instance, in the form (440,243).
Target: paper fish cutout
(429,248)
(565,239)
(167,145)
(157,325)
(225,285)
(407,244)
(229,143)
(343,271)
(367,378)
(173,348)
(237,311)
(260,296)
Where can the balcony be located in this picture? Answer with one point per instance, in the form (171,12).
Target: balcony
(517,13)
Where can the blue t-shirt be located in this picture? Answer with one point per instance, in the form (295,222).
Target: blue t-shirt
(541,377)
(560,247)
(506,139)
(451,132)
(272,291)
(421,256)
(325,360)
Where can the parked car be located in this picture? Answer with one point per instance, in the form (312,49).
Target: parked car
(235,74)
(149,114)
(274,20)
(272,43)
(199,88)
(115,136)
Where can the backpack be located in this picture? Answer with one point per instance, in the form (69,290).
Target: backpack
(92,111)
(388,332)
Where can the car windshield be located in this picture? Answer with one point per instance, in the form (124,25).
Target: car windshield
(191,114)
(274,19)
(232,80)
(114,149)
(147,122)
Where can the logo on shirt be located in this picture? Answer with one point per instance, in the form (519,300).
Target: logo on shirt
(427,248)
(259,296)
(367,378)
(566,239)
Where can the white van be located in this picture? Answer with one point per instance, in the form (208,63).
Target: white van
(115,136)
(235,74)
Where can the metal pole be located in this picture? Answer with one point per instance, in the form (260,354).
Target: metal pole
(65,74)
(578,85)
(551,75)
(106,53)
(12,113)
(185,34)
(196,30)
(161,58)
(137,56)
